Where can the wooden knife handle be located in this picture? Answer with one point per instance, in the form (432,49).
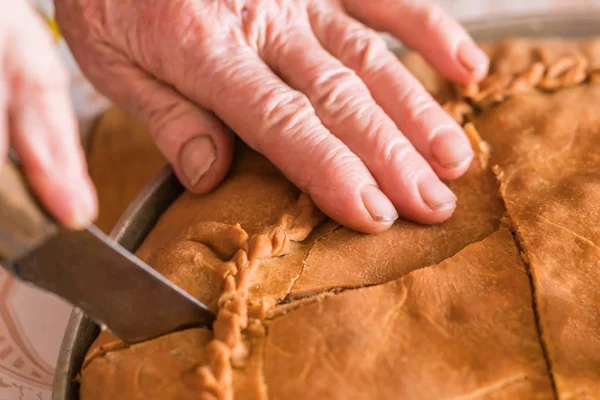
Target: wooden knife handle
(23,223)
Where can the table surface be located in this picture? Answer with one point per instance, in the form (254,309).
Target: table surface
(32,323)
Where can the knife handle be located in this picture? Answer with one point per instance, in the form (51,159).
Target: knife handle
(23,223)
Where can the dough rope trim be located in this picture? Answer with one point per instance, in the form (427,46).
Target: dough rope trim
(564,72)
(239,320)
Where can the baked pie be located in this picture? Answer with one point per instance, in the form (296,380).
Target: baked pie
(502,301)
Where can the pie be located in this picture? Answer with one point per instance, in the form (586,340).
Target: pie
(500,302)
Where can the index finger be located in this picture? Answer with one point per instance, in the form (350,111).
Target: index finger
(42,125)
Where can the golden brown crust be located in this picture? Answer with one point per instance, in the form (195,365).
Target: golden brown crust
(347,259)
(161,368)
(246,198)
(463,312)
(235,327)
(461,329)
(547,154)
(517,66)
(120,143)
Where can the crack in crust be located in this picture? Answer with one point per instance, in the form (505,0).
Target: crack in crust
(288,297)
(507,220)
(534,303)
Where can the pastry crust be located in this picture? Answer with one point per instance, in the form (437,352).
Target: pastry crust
(459,310)
(122,158)
(550,176)
(463,328)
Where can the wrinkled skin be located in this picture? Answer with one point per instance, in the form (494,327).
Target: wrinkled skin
(36,117)
(304,82)
(300,81)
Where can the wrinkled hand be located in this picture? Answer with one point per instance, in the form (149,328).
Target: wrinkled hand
(36,118)
(301,81)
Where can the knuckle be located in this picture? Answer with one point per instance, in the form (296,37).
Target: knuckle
(272,29)
(396,150)
(275,43)
(402,155)
(330,86)
(145,103)
(342,96)
(191,27)
(422,109)
(281,112)
(363,48)
(223,70)
(159,116)
(416,102)
(334,168)
(358,112)
(194,38)
(336,161)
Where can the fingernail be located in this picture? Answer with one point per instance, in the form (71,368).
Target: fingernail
(85,210)
(436,195)
(451,148)
(473,58)
(197,156)
(378,205)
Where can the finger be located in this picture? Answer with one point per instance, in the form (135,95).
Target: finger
(241,90)
(425,27)
(434,134)
(281,124)
(43,129)
(196,143)
(344,104)
(198,146)
(3,116)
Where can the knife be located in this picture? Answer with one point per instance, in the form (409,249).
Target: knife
(89,270)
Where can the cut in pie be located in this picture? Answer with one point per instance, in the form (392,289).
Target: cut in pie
(500,302)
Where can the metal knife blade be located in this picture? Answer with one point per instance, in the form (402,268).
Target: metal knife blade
(90,270)
(110,285)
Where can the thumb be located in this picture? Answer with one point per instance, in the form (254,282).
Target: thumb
(194,141)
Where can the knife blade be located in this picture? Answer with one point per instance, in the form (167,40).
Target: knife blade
(89,270)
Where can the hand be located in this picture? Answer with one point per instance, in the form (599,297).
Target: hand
(36,118)
(301,81)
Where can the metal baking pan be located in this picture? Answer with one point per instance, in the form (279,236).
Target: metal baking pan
(137,221)
(143,213)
